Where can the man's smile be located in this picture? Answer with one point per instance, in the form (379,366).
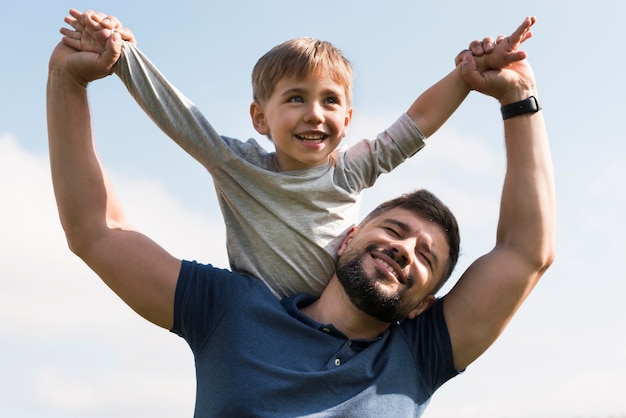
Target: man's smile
(387,264)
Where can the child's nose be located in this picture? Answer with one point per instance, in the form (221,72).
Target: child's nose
(314,114)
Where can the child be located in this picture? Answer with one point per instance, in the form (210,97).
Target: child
(287,211)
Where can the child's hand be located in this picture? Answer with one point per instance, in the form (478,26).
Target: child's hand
(509,84)
(92,31)
(98,39)
(490,55)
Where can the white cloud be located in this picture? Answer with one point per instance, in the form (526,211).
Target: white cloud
(69,346)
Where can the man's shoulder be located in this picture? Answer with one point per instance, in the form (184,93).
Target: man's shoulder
(205,282)
(205,294)
(429,323)
(206,273)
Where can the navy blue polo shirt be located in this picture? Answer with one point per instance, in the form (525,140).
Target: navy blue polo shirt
(258,356)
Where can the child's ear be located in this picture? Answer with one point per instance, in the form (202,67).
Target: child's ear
(346,122)
(348,119)
(258,118)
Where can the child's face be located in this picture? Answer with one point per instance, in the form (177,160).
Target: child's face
(306,119)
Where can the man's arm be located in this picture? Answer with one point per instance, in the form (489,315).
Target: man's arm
(139,271)
(433,107)
(487,295)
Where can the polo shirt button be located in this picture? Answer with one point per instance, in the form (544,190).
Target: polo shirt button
(337,362)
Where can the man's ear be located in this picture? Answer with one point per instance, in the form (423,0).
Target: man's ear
(258,118)
(422,306)
(346,239)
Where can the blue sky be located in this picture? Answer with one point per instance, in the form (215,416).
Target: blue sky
(69,347)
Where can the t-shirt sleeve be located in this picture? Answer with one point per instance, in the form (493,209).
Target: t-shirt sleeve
(204,294)
(170,109)
(429,336)
(367,159)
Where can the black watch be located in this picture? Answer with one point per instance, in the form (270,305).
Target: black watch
(530,105)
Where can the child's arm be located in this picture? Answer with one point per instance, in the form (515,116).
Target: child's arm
(433,107)
(172,112)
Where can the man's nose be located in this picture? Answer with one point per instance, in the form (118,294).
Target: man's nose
(403,251)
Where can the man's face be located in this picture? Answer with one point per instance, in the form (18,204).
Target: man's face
(390,266)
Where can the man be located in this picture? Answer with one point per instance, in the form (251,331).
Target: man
(377,342)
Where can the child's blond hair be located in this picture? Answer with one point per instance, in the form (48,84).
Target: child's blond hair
(300,58)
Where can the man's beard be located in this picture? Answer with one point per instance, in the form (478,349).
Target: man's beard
(363,289)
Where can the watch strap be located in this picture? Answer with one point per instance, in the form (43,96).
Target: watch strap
(530,105)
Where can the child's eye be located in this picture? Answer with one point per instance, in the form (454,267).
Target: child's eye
(296,99)
(332,100)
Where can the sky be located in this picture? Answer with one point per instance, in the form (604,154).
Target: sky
(69,347)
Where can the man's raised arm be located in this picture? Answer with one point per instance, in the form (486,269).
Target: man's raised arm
(487,295)
(139,271)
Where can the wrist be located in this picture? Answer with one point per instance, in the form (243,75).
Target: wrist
(517,93)
(63,76)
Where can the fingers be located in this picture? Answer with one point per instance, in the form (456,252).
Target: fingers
(94,22)
(127,35)
(80,40)
(92,30)
(98,21)
(493,66)
(77,14)
(488,45)
(490,83)
(472,77)
(104,21)
(70,38)
(476,48)
(459,57)
(112,51)
(479,48)
(96,52)
(521,34)
(77,25)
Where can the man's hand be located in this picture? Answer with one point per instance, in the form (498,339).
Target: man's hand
(511,84)
(494,55)
(85,67)
(92,30)
(500,69)
(97,33)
